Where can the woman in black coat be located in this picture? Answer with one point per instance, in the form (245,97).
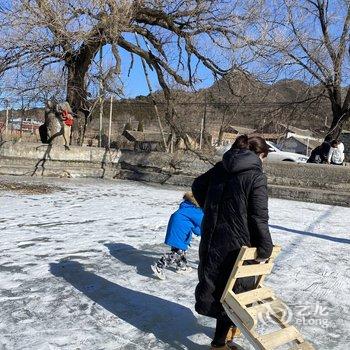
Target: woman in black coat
(234,197)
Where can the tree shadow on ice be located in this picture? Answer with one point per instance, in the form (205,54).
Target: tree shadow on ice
(170,322)
(129,255)
(312,234)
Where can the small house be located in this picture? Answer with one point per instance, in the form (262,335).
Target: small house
(298,145)
(146,141)
(274,137)
(229,134)
(195,140)
(287,131)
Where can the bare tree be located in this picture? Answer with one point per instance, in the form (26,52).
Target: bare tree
(35,89)
(309,39)
(177,37)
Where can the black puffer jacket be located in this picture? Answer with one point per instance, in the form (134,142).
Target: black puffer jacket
(234,197)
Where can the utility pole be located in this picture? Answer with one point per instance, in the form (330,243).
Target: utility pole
(172,143)
(22,117)
(110,122)
(204,120)
(100,93)
(7,120)
(201,135)
(151,94)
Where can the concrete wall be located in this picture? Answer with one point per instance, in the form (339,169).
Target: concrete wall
(38,159)
(307,182)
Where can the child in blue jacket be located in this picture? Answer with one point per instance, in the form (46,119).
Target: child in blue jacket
(182,224)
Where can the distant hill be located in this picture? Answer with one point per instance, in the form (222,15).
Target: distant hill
(237,99)
(256,103)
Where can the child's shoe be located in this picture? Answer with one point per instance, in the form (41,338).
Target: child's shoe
(183,269)
(158,272)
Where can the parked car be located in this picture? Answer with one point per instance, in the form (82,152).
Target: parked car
(276,154)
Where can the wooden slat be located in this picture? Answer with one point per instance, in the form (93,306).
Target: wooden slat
(278,338)
(250,334)
(276,250)
(251,253)
(240,312)
(254,270)
(255,295)
(275,308)
(246,318)
(303,346)
(232,279)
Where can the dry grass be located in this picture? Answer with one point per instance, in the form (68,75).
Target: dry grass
(28,188)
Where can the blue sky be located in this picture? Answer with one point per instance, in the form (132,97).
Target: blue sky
(135,84)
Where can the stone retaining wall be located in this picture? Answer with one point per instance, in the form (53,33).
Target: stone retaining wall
(307,182)
(41,160)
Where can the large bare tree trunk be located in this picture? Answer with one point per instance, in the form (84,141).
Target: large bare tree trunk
(221,135)
(78,67)
(49,32)
(339,118)
(318,51)
(77,98)
(54,124)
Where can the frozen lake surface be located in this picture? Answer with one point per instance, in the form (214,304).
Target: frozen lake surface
(75,270)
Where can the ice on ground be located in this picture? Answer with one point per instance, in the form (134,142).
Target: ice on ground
(75,271)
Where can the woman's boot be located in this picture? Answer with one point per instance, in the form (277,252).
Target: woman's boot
(233,332)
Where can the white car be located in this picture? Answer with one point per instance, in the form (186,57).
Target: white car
(275,154)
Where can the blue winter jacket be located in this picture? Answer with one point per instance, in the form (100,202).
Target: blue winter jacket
(185,221)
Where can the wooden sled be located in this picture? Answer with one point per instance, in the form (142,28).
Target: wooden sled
(248,308)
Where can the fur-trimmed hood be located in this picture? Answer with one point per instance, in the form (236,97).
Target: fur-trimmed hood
(188,196)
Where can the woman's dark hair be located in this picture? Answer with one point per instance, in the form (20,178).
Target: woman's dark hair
(328,138)
(255,144)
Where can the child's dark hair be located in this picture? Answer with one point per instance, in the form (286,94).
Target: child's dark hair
(255,144)
(335,143)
